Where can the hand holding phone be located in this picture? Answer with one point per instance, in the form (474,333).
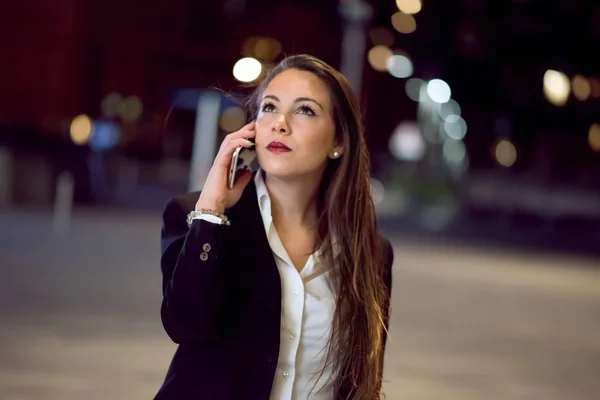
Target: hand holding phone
(241,160)
(217,194)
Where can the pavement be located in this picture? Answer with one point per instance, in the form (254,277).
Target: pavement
(80,315)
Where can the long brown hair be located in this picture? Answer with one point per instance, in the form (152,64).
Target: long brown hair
(346,213)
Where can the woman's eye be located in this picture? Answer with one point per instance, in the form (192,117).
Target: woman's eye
(306,110)
(268,108)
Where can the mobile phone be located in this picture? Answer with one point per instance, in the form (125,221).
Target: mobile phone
(242,159)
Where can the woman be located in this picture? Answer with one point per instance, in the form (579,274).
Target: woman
(280,288)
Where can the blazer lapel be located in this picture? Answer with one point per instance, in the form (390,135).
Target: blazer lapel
(247,226)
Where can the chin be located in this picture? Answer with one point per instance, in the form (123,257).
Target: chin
(289,166)
(290,171)
(279,168)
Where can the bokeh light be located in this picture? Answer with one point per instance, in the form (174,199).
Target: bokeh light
(400,66)
(81,129)
(594,137)
(247,69)
(505,153)
(449,109)
(581,87)
(232,119)
(454,151)
(110,105)
(381,36)
(267,49)
(455,127)
(404,23)
(131,108)
(249,46)
(413,88)
(378,57)
(377,191)
(262,48)
(556,87)
(594,87)
(439,91)
(409,6)
(407,142)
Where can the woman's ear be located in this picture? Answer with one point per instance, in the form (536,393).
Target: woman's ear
(338,147)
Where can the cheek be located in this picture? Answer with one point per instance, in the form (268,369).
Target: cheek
(264,121)
(318,143)
(262,131)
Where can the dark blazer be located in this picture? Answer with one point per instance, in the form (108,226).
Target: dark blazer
(221,303)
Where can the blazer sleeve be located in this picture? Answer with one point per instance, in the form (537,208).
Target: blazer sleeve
(194,281)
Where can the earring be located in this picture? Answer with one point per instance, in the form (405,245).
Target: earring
(336,155)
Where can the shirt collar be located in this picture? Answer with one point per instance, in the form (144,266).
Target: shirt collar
(264,204)
(262,195)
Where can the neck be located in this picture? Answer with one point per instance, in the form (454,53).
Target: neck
(294,201)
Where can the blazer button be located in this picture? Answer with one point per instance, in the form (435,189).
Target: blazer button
(204,256)
(206,247)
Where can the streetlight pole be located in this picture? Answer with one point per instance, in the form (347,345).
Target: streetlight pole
(206,131)
(356,15)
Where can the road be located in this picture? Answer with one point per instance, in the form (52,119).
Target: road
(80,316)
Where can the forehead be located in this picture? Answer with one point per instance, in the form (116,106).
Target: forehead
(294,83)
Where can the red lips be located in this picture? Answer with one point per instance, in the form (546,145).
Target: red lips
(278,147)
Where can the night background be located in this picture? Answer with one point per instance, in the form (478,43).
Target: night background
(483,122)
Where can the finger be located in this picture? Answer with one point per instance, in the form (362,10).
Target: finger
(227,150)
(242,134)
(234,141)
(233,144)
(247,131)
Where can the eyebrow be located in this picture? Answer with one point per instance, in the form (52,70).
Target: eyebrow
(298,100)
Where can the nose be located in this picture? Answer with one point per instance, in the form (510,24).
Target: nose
(280,125)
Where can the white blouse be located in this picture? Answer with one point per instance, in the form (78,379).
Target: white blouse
(307,307)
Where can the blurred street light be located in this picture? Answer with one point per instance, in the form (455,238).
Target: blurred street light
(449,109)
(81,129)
(556,87)
(232,119)
(400,66)
(438,91)
(247,69)
(409,6)
(594,137)
(110,104)
(455,127)
(454,151)
(381,35)
(131,108)
(505,153)
(581,87)
(413,88)
(378,57)
(594,87)
(377,191)
(404,23)
(267,49)
(407,142)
